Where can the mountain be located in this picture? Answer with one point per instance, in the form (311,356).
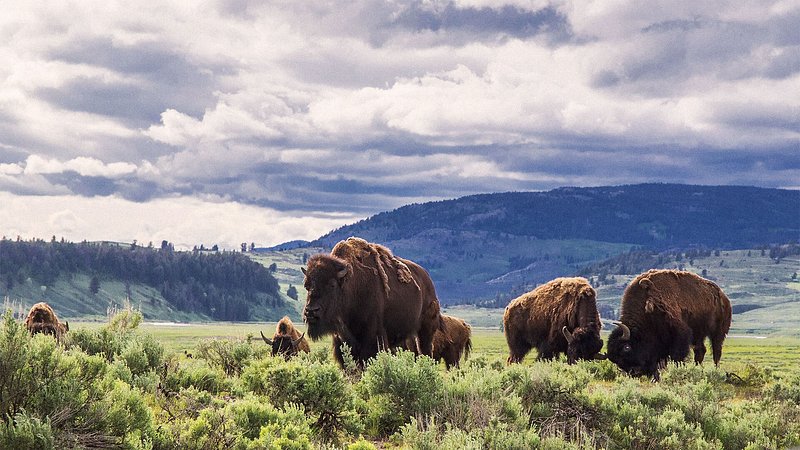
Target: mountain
(481,247)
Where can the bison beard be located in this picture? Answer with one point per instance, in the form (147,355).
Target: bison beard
(369,299)
(557,317)
(663,312)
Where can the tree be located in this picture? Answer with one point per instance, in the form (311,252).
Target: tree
(292,292)
(244,247)
(273,267)
(252,247)
(94,285)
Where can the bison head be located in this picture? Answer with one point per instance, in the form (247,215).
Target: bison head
(324,282)
(583,343)
(632,351)
(283,345)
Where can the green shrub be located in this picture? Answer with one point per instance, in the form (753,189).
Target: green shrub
(195,374)
(230,356)
(26,432)
(398,387)
(321,389)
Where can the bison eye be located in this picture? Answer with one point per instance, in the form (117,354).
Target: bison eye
(626,348)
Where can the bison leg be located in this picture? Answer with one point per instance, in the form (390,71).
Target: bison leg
(716,348)
(546,352)
(425,338)
(699,351)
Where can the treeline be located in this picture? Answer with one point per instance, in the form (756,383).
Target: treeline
(221,285)
(638,261)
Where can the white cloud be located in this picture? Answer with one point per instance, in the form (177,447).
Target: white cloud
(10,169)
(84,166)
(184,221)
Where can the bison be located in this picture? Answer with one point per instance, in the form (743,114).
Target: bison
(453,342)
(369,299)
(42,319)
(449,344)
(663,312)
(287,340)
(557,317)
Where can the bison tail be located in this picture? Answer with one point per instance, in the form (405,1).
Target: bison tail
(467,348)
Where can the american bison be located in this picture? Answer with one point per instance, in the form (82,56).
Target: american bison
(42,319)
(557,317)
(449,344)
(369,299)
(663,312)
(453,342)
(287,340)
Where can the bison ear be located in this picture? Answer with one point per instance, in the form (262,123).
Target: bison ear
(342,273)
(268,341)
(303,269)
(567,334)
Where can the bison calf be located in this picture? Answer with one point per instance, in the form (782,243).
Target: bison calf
(557,317)
(663,312)
(450,343)
(287,340)
(42,319)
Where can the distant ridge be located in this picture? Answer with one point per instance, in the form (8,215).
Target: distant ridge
(652,215)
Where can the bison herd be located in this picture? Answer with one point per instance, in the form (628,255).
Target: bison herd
(371,300)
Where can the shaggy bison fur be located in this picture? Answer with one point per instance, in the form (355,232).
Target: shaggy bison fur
(663,312)
(453,342)
(42,319)
(287,340)
(557,317)
(369,299)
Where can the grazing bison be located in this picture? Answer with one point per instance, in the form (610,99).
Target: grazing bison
(557,317)
(663,312)
(449,344)
(287,340)
(453,342)
(369,299)
(42,319)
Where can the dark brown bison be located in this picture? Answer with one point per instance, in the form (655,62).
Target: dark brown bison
(557,317)
(663,312)
(287,340)
(42,319)
(369,299)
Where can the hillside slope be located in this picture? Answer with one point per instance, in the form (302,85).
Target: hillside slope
(481,247)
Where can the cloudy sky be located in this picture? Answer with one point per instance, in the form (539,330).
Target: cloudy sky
(228,121)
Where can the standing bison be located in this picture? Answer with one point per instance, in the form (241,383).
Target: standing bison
(663,312)
(287,340)
(557,317)
(453,342)
(450,343)
(42,319)
(369,299)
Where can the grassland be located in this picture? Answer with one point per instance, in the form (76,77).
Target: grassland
(779,354)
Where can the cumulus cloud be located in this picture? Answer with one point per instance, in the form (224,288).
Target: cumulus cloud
(354,107)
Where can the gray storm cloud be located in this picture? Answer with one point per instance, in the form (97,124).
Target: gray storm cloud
(357,107)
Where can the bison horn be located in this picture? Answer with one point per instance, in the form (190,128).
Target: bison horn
(303,269)
(66,326)
(600,357)
(341,273)
(626,332)
(268,341)
(297,342)
(567,334)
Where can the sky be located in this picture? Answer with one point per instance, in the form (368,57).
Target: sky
(229,121)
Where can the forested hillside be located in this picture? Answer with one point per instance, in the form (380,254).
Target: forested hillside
(215,285)
(482,248)
(652,215)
